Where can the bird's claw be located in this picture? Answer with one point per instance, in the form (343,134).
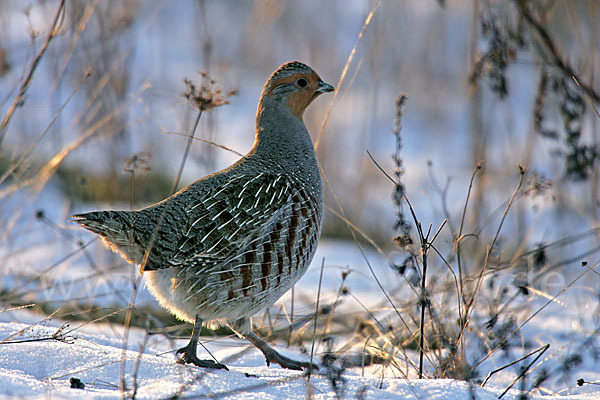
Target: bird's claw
(288,363)
(189,357)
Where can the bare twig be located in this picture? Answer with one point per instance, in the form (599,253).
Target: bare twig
(469,306)
(460,234)
(312,347)
(541,349)
(220,146)
(18,101)
(587,96)
(539,310)
(127,324)
(136,365)
(526,369)
(548,44)
(81,26)
(15,165)
(345,71)
(423,299)
(60,336)
(425,246)
(186,152)
(204,98)
(461,293)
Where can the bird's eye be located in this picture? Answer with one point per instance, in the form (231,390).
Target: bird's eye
(302,82)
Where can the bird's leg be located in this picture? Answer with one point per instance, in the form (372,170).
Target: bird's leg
(271,355)
(188,353)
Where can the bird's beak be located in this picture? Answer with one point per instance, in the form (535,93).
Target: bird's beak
(325,87)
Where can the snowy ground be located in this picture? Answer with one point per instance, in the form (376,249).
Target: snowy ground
(34,365)
(43,369)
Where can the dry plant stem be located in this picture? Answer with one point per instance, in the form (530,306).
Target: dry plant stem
(352,78)
(27,328)
(21,291)
(93,104)
(136,282)
(587,96)
(188,146)
(561,243)
(78,371)
(362,367)
(48,169)
(131,179)
(355,228)
(589,383)
(220,146)
(3,310)
(17,102)
(550,301)
(334,306)
(175,183)
(291,317)
(60,336)
(388,298)
(92,321)
(460,236)
(548,44)
(541,349)
(83,23)
(456,287)
(136,365)
(81,247)
(312,347)
(382,329)
(469,306)
(491,246)
(525,370)
(425,245)
(423,297)
(14,166)
(337,200)
(443,193)
(407,201)
(461,292)
(345,71)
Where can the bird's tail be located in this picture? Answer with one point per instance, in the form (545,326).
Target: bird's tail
(110,224)
(114,227)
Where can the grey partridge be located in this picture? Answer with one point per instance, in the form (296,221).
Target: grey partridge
(232,243)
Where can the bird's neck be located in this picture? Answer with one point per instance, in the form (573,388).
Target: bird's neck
(282,137)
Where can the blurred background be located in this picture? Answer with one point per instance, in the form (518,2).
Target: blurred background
(138,53)
(103,122)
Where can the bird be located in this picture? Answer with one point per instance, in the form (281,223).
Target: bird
(232,243)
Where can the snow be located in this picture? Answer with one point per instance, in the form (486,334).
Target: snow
(43,369)
(32,365)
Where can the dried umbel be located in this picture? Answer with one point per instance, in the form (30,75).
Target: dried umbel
(208,95)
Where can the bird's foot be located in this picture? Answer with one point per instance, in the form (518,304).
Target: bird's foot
(188,356)
(272,356)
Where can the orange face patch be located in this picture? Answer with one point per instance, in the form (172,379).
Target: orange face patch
(298,100)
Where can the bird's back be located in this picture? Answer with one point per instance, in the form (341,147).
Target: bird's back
(232,243)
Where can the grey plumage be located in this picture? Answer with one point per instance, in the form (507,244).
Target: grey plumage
(232,243)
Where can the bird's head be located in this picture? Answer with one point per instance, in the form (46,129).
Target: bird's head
(295,85)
